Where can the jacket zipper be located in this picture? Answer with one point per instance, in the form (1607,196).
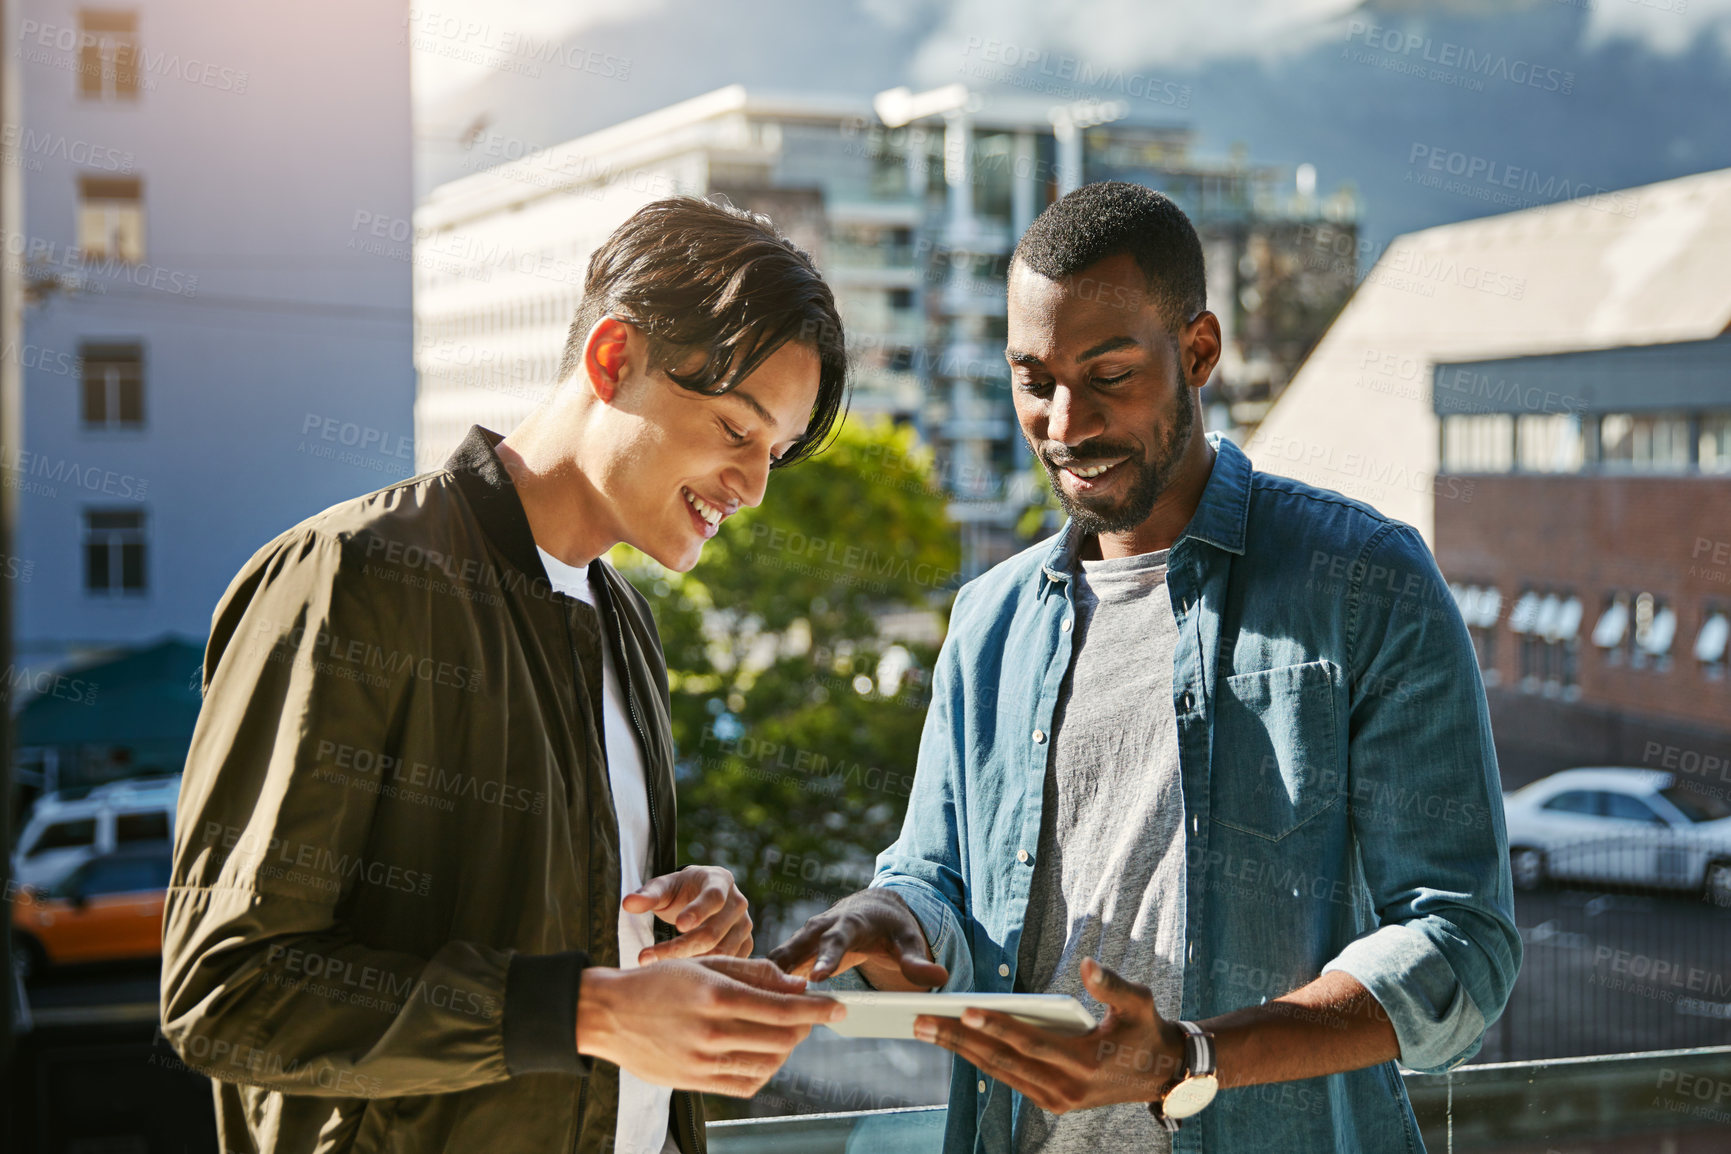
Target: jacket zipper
(631,708)
(655,820)
(588,925)
(577,1122)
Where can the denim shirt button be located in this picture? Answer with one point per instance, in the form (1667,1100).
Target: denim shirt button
(1186,702)
(1003,969)
(1066,625)
(982,1085)
(1021,855)
(1039,737)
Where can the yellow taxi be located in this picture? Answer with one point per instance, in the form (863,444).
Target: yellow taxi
(108,909)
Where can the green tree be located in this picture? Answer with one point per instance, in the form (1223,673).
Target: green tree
(796,717)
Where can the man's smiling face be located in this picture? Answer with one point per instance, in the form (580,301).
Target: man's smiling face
(677,463)
(1100,390)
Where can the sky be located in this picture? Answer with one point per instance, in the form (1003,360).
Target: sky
(1584,94)
(1164,32)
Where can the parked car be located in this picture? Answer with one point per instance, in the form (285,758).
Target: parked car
(108,909)
(1637,827)
(63,833)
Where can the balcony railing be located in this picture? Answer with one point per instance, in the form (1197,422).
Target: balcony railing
(1666,1100)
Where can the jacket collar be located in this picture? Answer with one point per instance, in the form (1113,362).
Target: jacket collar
(1220,519)
(487,484)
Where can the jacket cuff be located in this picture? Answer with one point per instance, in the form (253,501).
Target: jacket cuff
(541,1014)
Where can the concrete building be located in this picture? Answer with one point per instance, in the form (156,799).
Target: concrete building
(1590,552)
(216,343)
(1639,266)
(911,204)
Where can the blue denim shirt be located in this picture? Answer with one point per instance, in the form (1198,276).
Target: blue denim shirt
(1342,804)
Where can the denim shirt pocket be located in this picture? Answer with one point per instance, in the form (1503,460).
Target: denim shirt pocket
(1277,748)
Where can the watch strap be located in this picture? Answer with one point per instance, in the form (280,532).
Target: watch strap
(1198,1063)
(1198,1050)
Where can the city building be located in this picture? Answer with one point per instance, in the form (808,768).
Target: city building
(1632,267)
(1588,543)
(911,204)
(216,327)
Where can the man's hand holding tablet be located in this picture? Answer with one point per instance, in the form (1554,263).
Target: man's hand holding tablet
(1131,1056)
(872,929)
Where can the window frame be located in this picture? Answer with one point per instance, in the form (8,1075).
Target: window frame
(114,540)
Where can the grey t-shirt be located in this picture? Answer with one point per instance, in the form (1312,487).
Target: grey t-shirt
(1109,879)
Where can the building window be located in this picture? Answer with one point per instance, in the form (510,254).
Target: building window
(1654,627)
(1711,643)
(1478,443)
(111,218)
(1638,443)
(114,552)
(901,298)
(1481,606)
(113,386)
(1548,443)
(1612,628)
(1548,625)
(107,54)
(1715,443)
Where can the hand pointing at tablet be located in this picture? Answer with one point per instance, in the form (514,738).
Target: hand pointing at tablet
(872,929)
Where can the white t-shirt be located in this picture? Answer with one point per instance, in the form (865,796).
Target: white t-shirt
(643,1106)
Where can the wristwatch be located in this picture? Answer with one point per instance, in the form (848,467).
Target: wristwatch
(1195,1086)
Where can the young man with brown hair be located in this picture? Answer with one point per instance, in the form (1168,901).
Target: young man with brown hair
(424,893)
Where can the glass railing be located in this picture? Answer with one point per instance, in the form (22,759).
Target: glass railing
(1666,1100)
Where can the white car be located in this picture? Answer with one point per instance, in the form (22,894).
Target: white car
(1623,826)
(64,833)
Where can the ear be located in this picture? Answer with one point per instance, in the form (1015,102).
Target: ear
(1200,346)
(604,357)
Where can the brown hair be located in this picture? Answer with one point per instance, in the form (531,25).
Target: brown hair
(696,275)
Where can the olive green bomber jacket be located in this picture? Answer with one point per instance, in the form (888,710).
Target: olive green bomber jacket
(397,846)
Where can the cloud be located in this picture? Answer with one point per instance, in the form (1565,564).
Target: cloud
(1669,27)
(1111,34)
(459,42)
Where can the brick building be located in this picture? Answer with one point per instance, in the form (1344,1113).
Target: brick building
(1583,519)
(1639,266)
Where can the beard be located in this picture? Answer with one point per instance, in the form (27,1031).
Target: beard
(1149,478)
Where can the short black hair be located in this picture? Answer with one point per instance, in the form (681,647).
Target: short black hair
(1102,220)
(695,275)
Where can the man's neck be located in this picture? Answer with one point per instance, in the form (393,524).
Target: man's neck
(1171,513)
(568,516)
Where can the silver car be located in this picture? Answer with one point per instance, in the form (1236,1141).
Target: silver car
(1638,827)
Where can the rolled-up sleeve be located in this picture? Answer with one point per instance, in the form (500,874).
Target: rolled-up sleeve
(1427,811)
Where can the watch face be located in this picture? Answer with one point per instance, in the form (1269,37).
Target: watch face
(1189,1096)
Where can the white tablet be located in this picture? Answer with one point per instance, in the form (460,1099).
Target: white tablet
(874,1014)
